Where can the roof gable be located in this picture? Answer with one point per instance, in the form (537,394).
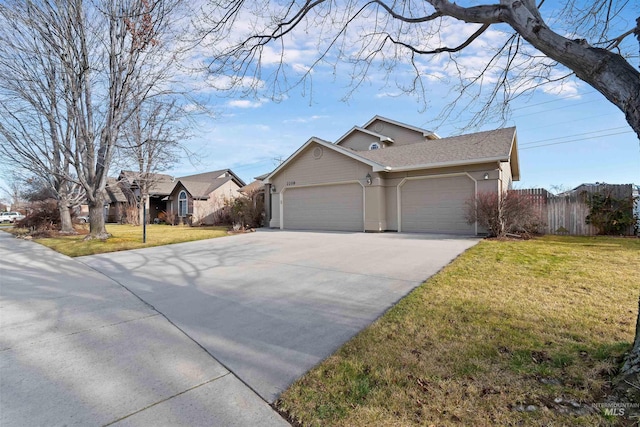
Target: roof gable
(378,123)
(344,151)
(385,131)
(201,189)
(358,129)
(205,176)
(213,175)
(114,192)
(159,184)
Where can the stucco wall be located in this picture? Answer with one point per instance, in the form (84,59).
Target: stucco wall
(208,212)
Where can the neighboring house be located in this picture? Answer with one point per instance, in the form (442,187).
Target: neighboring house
(116,202)
(159,188)
(255,190)
(200,199)
(390,176)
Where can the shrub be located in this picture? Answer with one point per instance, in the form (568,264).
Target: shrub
(499,214)
(609,214)
(248,211)
(131,214)
(168,217)
(43,218)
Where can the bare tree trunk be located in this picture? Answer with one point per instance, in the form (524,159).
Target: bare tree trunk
(66,225)
(97,228)
(608,73)
(64,207)
(628,382)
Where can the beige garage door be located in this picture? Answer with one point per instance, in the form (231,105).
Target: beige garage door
(436,205)
(327,207)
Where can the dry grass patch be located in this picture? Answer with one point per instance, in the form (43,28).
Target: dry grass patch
(125,237)
(509,325)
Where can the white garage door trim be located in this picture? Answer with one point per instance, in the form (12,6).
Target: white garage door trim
(324,184)
(415,178)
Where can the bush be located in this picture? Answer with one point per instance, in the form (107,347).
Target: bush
(248,211)
(609,214)
(131,214)
(43,218)
(499,214)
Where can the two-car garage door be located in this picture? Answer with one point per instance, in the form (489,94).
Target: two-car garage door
(324,207)
(429,205)
(436,205)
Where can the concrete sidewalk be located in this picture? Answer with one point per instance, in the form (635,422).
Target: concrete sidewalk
(76,348)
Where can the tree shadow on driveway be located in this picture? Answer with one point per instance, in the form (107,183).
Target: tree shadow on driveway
(270,306)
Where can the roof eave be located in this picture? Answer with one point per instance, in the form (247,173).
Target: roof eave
(441,164)
(382,138)
(514,158)
(425,132)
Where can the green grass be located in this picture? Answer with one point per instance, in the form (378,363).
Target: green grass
(508,323)
(125,237)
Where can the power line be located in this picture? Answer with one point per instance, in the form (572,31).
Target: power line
(555,109)
(571,136)
(553,100)
(575,140)
(537,104)
(565,122)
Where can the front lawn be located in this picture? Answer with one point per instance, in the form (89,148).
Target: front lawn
(125,237)
(511,333)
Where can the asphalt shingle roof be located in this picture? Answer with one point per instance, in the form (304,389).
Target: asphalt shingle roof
(159,184)
(250,188)
(200,189)
(470,147)
(113,192)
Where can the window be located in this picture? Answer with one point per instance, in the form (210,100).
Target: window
(182,204)
(374,146)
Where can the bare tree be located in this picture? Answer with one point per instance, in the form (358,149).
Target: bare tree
(34,131)
(104,57)
(410,44)
(592,41)
(13,192)
(152,141)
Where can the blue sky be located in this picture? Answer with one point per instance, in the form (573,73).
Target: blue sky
(564,139)
(568,133)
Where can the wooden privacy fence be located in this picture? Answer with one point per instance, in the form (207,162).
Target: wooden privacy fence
(565,213)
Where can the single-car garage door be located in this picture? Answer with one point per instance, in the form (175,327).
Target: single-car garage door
(436,205)
(326,207)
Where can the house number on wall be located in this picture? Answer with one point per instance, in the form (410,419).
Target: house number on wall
(290,183)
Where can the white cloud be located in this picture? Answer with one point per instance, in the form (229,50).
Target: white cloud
(246,103)
(305,119)
(389,94)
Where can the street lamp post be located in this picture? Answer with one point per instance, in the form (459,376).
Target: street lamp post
(144,219)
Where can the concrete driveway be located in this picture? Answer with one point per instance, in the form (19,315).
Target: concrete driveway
(272,304)
(76,348)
